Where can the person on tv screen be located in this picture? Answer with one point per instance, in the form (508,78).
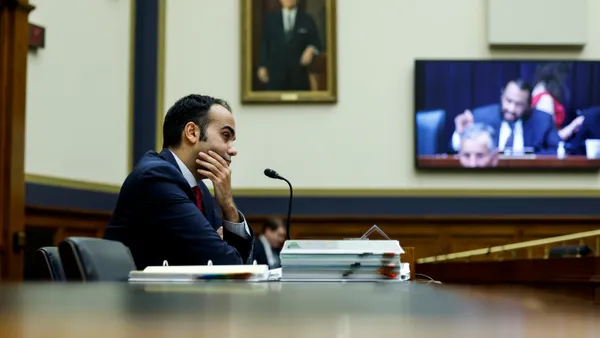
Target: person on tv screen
(548,94)
(478,147)
(519,126)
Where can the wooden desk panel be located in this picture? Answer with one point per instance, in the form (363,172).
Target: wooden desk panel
(540,161)
(230,309)
(573,276)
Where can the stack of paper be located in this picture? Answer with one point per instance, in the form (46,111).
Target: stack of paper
(365,260)
(200,272)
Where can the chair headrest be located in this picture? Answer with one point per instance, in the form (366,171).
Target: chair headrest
(95,259)
(49,263)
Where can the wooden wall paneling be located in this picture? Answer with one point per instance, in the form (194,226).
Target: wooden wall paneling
(438,235)
(572,276)
(428,236)
(65,222)
(14,44)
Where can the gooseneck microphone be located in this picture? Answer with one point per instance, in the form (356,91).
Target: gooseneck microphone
(273,174)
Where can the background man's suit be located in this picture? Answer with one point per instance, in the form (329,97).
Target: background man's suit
(280,53)
(265,254)
(157,218)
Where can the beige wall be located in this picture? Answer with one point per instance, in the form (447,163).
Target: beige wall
(365,140)
(78,92)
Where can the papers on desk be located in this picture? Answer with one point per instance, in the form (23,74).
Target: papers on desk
(364,260)
(200,272)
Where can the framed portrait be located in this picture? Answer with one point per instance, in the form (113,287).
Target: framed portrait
(288,51)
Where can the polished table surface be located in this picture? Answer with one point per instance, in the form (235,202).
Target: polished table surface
(232,309)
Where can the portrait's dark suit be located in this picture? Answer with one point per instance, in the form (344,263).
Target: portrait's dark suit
(539,130)
(280,53)
(157,218)
(590,129)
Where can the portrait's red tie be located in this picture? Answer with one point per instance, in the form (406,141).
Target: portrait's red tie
(198,195)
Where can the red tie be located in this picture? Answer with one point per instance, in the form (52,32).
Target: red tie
(198,194)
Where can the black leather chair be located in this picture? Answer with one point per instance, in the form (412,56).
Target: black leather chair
(49,265)
(430,132)
(93,259)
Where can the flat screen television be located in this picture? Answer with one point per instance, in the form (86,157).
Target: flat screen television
(507,114)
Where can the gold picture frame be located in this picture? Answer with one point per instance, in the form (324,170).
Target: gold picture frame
(315,82)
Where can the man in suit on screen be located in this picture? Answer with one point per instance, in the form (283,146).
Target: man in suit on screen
(165,211)
(518,125)
(289,42)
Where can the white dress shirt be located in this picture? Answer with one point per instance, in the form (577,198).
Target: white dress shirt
(517,139)
(518,143)
(289,18)
(240,229)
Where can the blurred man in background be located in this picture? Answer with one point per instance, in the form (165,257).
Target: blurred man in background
(269,244)
(477,147)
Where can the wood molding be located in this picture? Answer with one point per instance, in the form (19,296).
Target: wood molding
(14,38)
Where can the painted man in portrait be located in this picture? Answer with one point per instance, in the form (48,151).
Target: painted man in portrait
(290,40)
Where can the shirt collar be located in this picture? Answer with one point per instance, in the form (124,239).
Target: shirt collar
(187,174)
(290,11)
(517,123)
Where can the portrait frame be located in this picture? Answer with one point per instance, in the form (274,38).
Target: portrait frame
(322,71)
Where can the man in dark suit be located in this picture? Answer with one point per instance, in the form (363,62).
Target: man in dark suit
(517,126)
(268,245)
(165,211)
(289,42)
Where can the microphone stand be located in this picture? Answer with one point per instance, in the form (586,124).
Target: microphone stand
(287,224)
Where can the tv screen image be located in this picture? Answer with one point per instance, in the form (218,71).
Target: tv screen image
(507,114)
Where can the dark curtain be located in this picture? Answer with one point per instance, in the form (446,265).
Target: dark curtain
(459,85)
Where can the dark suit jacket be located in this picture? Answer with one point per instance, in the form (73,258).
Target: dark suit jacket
(539,130)
(281,54)
(260,255)
(590,129)
(157,218)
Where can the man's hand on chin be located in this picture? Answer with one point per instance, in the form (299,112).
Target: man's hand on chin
(218,172)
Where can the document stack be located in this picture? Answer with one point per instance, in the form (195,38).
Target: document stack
(201,272)
(339,260)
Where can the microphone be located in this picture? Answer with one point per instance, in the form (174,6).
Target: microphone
(273,174)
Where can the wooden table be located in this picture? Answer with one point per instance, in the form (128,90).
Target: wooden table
(537,161)
(235,309)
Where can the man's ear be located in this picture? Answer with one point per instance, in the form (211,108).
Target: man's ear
(191,132)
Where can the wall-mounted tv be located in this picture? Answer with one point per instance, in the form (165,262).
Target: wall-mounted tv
(507,114)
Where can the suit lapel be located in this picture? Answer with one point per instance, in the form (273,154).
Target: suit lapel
(527,132)
(166,155)
(280,28)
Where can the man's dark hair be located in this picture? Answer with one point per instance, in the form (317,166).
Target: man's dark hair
(191,108)
(272,224)
(521,84)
